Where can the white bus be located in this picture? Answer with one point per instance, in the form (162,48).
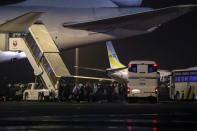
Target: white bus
(143,81)
(184,84)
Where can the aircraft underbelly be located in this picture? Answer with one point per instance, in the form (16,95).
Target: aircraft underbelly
(66,38)
(75,38)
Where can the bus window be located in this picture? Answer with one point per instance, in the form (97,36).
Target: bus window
(152,68)
(193,78)
(178,79)
(186,78)
(133,68)
(185,73)
(182,78)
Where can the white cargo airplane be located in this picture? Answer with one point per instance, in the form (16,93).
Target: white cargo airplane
(117,70)
(75,23)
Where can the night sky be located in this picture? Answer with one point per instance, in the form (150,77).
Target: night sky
(172,46)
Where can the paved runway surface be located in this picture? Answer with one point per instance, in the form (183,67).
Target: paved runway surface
(166,116)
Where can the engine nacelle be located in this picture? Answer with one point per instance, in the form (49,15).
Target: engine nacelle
(7,2)
(7,56)
(128,3)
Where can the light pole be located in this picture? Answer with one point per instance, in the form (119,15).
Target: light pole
(76,64)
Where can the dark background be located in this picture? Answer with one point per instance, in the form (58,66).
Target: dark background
(172,46)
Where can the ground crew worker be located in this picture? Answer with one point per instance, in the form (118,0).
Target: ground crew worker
(177,96)
(182,97)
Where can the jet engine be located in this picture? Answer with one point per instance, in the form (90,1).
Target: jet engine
(7,2)
(128,3)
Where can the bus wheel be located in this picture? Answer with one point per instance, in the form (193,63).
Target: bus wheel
(131,100)
(153,99)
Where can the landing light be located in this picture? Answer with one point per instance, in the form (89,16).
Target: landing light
(14,54)
(156,90)
(128,90)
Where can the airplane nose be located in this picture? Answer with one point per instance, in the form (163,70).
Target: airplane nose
(166,3)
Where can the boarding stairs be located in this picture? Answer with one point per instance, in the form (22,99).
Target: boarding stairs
(42,54)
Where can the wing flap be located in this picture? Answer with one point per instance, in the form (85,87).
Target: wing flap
(141,21)
(20,23)
(91,69)
(93,78)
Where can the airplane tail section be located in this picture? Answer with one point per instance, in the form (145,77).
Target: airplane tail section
(112,56)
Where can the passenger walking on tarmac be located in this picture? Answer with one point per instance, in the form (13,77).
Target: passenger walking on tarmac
(67,91)
(60,91)
(109,92)
(75,92)
(116,91)
(62,98)
(177,96)
(88,91)
(105,91)
(71,86)
(125,91)
(100,92)
(94,93)
(193,96)
(81,95)
(182,96)
(113,91)
(120,89)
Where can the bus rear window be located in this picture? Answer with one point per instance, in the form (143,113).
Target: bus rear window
(133,68)
(192,78)
(152,68)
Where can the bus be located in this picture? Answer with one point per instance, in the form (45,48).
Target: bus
(184,84)
(143,81)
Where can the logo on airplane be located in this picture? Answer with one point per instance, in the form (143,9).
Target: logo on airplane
(14,43)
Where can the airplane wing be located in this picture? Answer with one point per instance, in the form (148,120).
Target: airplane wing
(140,21)
(20,23)
(101,70)
(93,69)
(116,69)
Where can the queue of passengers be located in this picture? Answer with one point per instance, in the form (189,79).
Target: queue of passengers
(93,92)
